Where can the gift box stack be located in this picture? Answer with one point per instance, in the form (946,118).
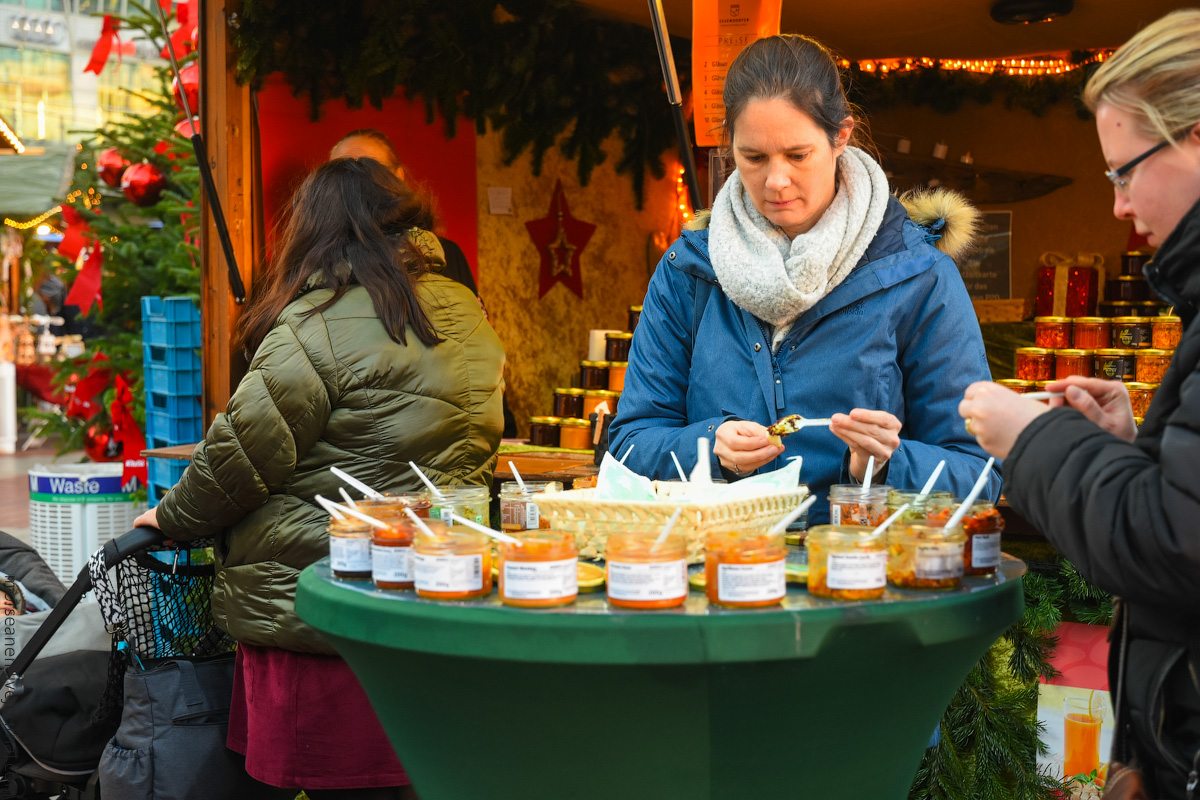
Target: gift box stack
(582,411)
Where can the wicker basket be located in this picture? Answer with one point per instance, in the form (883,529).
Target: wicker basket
(593,520)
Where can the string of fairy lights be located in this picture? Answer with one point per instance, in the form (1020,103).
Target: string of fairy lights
(1028,66)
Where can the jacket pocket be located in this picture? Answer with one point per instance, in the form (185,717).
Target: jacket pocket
(126,774)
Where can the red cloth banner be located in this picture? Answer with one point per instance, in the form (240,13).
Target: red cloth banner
(86,288)
(128,434)
(77,234)
(108,34)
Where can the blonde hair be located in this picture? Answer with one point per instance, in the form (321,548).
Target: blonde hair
(1154,77)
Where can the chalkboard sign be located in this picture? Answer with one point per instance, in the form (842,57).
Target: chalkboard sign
(987,271)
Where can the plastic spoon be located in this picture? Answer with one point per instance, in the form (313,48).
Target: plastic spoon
(866,487)
(627,452)
(346,496)
(976,490)
(679,467)
(662,537)
(884,525)
(517,475)
(503,537)
(436,491)
(420,523)
(331,507)
(928,487)
(354,512)
(356,483)
(793,515)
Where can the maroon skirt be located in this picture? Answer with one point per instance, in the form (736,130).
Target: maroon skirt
(304,722)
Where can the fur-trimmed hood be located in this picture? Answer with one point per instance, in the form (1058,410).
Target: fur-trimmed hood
(950,219)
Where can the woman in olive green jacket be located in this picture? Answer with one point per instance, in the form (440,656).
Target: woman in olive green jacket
(363,357)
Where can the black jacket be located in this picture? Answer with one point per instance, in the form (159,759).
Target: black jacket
(1128,514)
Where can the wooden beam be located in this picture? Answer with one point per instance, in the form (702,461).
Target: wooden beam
(230,135)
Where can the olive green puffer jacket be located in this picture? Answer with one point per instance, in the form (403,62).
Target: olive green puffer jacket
(333,389)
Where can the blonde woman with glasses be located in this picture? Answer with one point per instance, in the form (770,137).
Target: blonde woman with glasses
(1124,503)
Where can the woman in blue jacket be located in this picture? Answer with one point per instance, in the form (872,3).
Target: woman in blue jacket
(807,290)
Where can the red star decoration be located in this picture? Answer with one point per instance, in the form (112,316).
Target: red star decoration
(560,239)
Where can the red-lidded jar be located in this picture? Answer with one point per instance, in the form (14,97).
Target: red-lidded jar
(1152,365)
(1090,333)
(1035,364)
(1132,332)
(1140,396)
(1052,332)
(1166,332)
(1073,362)
(568,403)
(1115,363)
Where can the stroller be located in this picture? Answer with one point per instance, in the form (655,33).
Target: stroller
(59,714)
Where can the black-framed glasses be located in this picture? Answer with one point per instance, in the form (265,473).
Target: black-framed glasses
(1117,176)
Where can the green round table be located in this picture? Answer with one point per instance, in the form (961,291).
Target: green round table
(812,699)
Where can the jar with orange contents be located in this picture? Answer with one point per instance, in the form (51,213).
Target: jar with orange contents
(575,434)
(452,563)
(1152,365)
(392,554)
(1073,362)
(1166,332)
(1035,364)
(1090,333)
(850,505)
(518,511)
(745,570)
(644,574)
(925,556)
(540,572)
(1140,395)
(983,526)
(616,375)
(1052,332)
(1016,385)
(391,506)
(594,397)
(846,562)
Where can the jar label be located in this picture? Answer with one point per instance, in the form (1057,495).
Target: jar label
(532,519)
(748,583)
(857,570)
(466,512)
(659,580)
(391,564)
(939,561)
(540,580)
(835,514)
(350,553)
(448,573)
(985,550)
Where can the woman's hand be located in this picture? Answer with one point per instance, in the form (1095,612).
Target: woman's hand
(148,518)
(867,433)
(995,416)
(1104,402)
(742,446)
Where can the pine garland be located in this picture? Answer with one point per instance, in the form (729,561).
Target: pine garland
(543,72)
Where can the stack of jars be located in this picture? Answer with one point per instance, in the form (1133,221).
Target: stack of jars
(1136,350)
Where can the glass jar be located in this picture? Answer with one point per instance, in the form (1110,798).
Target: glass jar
(642,575)
(915,511)
(568,403)
(635,314)
(1132,332)
(575,434)
(1073,362)
(616,346)
(1165,332)
(594,397)
(392,554)
(452,563)
(616,375)
(1090,333)
(1118,308)
(848,505)
(1140,395)
(745,570)
(540,572)
(982,526)
(847,562)
(1052,332)
(1128,287)
(593,374)
(1115,364)
(468,502)
(1035,364)
(518,512)
(1134,262)
(544,431)
(1016,385)
(925,556)
(350,549)
(1152,365)
(391,507)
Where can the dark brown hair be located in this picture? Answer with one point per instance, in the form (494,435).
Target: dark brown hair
(347,222)
(797,69)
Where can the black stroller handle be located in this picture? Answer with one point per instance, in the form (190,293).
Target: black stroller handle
(115,551)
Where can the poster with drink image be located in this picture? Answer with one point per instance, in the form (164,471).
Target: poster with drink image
(1076,712)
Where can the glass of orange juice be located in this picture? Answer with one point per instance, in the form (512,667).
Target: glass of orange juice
(1082,718)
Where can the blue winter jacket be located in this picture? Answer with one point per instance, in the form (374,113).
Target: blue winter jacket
(898,334)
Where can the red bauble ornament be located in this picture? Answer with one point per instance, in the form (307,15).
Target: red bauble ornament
(143,184)
(99,444)
(110,166)
(189,76)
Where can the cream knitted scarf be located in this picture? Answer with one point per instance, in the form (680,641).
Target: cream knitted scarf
(776,278)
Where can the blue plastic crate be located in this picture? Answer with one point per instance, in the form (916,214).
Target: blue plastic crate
(166,471)
(170,322)
(175,430)
(164,380)
(154,355)
(155,493)
(174,405)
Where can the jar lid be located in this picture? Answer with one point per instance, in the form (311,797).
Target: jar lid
(618,364)
(618,336)
(574,422)
(1137,278)
(570,392)
(1115,303)
(601,393)
(1042,384)
(1033,351)
(1014,382)
(1167,318)
(1152,352)
(1091,320)
(1144,387)
(1052,319)
(1151,303)
(1109,352)
(1130,321)
(545,420)
(1071,351)
(1135,253)
(635,308)
(601,364)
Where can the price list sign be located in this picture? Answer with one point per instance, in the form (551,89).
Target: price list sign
(720,29)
